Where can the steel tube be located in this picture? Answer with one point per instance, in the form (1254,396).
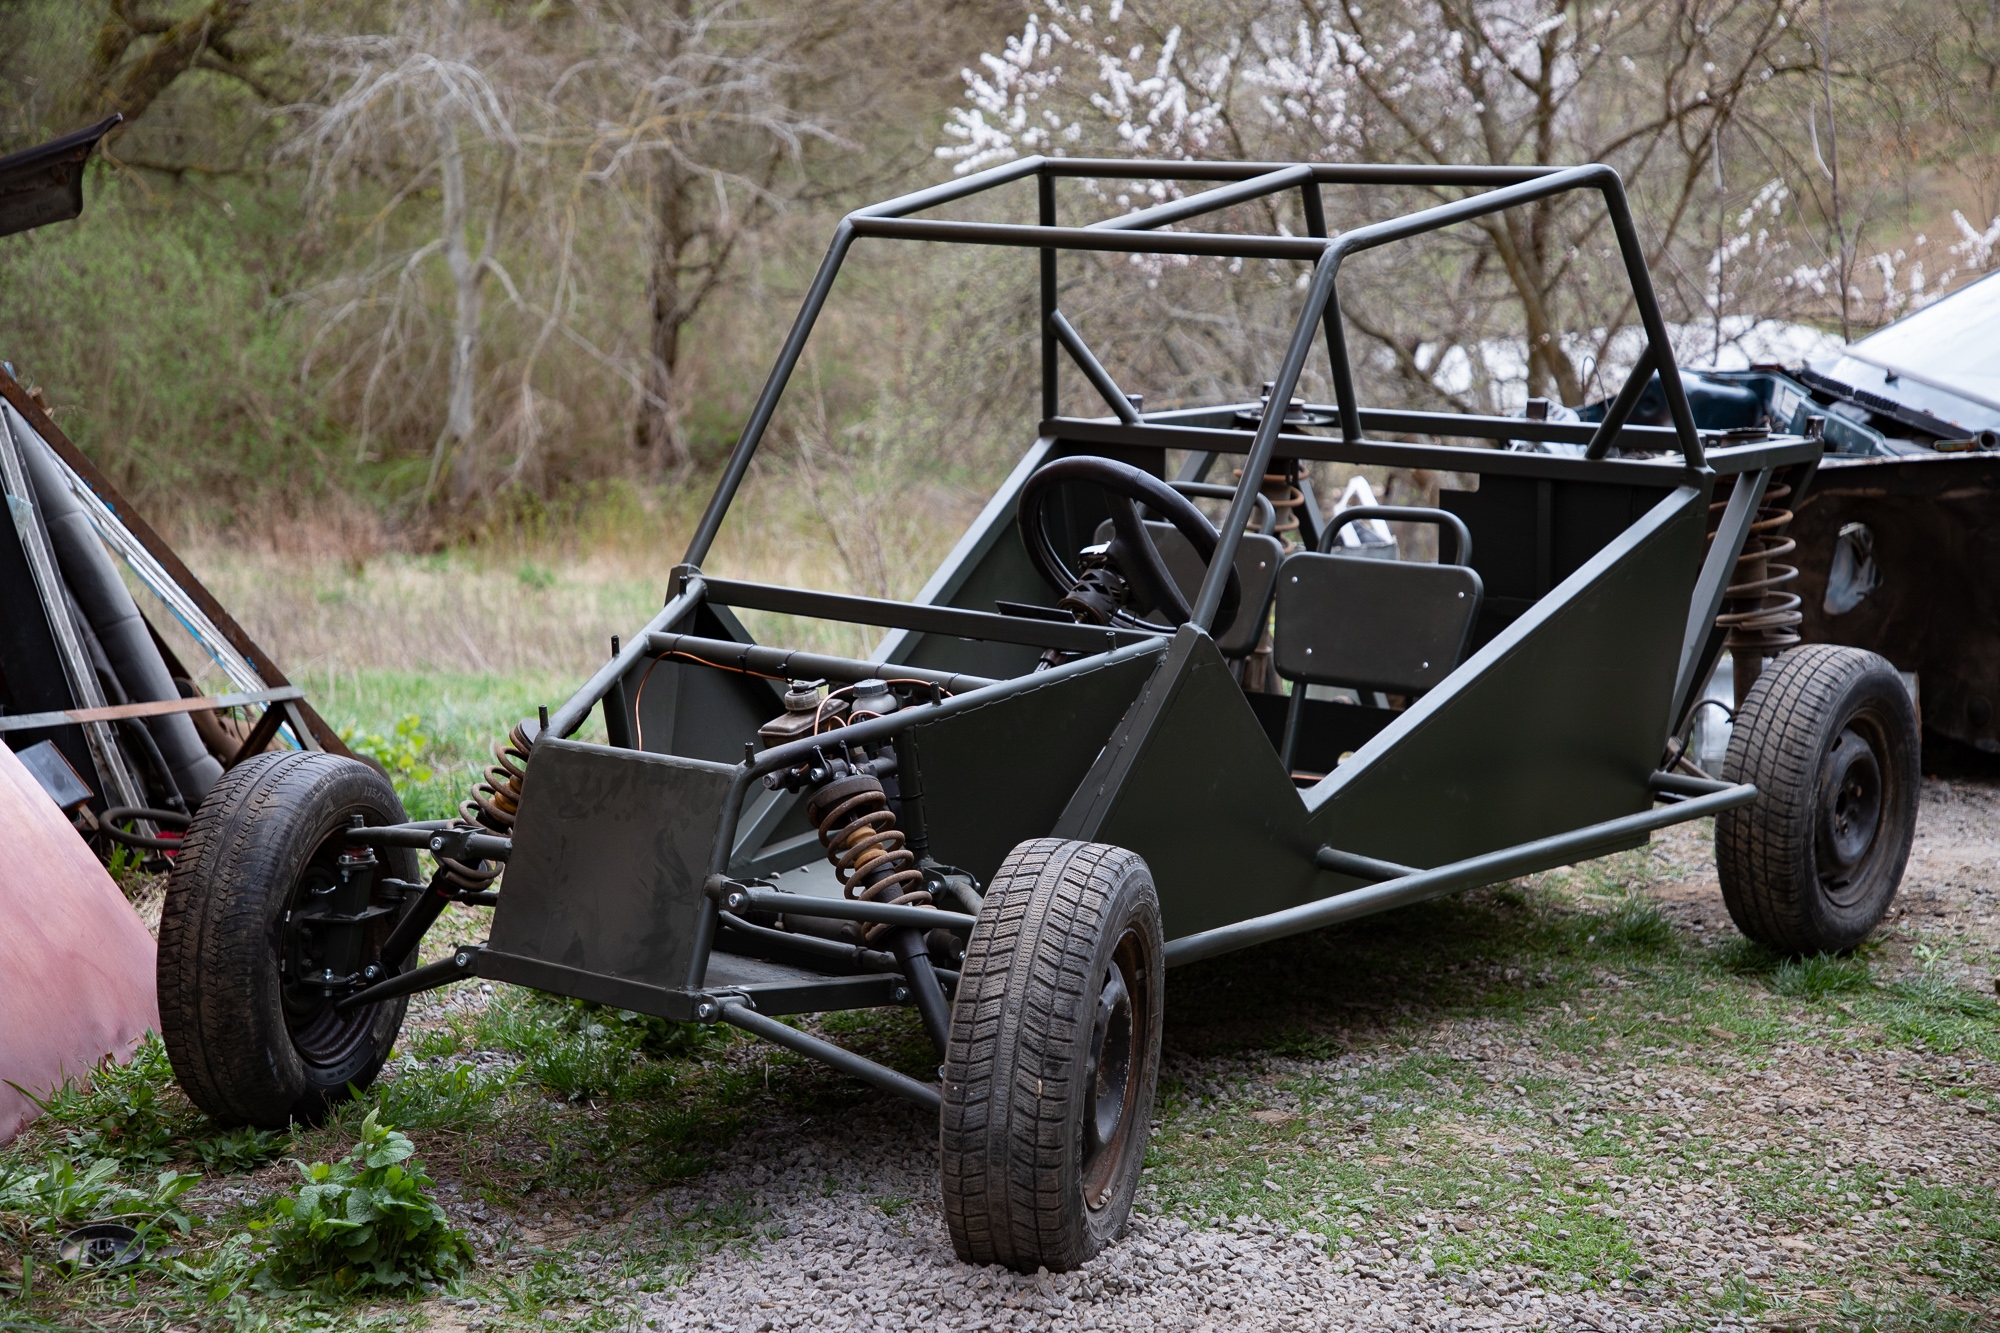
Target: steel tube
(1685,784)
(1325,173)
(1223,562)
(1361,867)
(1084,238)
(485,846)
(918,616)
(738,1013)
(869,960)
(566,720)
(767,398)
(463,963)
(854,909)
(1209,200)
(1491,868)
(803,666)
(1093,369)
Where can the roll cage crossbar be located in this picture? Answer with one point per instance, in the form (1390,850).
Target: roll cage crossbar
(1146,232)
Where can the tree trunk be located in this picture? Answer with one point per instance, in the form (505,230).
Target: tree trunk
(657,432)
(466,273)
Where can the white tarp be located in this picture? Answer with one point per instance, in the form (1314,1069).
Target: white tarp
(1953,345)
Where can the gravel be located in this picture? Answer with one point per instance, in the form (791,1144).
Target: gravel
(851,1236)
(872,1252)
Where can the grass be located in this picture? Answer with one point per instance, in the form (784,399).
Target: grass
(1490,1084)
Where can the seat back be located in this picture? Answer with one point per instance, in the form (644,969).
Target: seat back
(1385,625)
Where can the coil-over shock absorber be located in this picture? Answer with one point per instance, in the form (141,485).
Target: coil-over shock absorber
(1760,613)
(493,805)
(875,863)
(870,854)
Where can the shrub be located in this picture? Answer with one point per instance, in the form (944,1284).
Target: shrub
(366,1221)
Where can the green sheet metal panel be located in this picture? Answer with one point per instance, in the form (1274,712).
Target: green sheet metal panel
(998,775)
(1553,725)
(610,852)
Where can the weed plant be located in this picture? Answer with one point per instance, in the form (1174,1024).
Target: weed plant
(367,1222)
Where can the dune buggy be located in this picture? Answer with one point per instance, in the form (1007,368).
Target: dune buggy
(1108,737)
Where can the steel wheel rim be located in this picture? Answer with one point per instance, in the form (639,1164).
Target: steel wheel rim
(1851,807)
(323,1036)
(1112,1070)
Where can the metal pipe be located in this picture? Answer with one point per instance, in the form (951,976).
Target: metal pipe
(920,616)
(738,1013)
(484,846)
(1325,173)
(1084,238)
(803,666)
(568,718)
(880,728)
(1619,409)
(1595,176)
(852,909)
(767,400)
(1685,784)
(1045,200)
(1209,200)
(1491,868)
(871,960)
(915,956)
(1093,369)
(1223,562)
(1361,867)
(463,963)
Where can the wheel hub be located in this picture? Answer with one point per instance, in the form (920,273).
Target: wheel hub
(1108,1075)
(1850,806)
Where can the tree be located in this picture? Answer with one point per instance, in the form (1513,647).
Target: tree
(400,109)
(1648,87)
(127,71)
(695,102)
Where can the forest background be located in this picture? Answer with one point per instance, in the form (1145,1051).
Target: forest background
(425,326)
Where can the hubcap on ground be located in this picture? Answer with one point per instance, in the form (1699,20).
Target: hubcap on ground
(1111,1071)
(1850,807)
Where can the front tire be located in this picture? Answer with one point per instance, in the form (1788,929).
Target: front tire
(1829,736)
(251,1042)
(1053,1058)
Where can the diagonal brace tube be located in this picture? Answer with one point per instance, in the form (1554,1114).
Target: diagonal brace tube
(1468,874)
(739,1014)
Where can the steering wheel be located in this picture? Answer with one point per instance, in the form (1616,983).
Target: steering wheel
(1131,551)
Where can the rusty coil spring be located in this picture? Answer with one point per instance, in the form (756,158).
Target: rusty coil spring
(1282,490)
(858,830)
(1760,616)
(495,800)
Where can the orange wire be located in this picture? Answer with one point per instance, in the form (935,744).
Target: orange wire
(638,719)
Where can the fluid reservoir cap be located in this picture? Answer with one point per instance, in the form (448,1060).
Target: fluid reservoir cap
(802,696)
(874,696)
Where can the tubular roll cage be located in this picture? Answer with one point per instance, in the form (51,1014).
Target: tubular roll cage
(1679,460)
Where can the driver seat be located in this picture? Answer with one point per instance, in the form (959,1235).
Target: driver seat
(1391,626)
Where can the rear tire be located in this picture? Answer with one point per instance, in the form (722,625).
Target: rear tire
(1829,736)
(248,1043)
(1053,1058)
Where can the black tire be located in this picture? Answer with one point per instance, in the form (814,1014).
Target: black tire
(1039,1166)
(1829,736)
(248,1046)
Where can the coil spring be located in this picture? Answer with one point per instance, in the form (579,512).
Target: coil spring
(495,801)
(858,830)
(1764,618)
(1282,490)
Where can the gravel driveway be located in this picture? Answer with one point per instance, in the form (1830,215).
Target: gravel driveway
(1742,1172)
